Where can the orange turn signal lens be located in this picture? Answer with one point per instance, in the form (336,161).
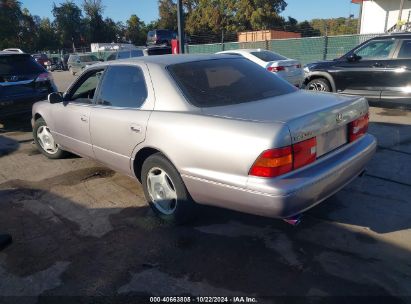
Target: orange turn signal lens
(272,163)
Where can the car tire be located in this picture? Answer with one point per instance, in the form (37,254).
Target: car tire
(165,191)
(45,141)
(71,71)
(319,84)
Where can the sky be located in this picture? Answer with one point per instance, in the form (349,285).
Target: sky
(120,10)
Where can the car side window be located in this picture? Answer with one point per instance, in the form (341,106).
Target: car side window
(123,86)
(377,49)
(86,88)
(405,50)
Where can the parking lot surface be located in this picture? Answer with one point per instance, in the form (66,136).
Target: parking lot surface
(81,229)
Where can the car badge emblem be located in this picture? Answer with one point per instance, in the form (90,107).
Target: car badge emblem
(339,117)
(14,78)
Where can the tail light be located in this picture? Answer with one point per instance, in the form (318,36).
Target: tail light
(44,77)
(47,63)
(276,69)
(298,66)
(275,162)
(358,127)
(305,152)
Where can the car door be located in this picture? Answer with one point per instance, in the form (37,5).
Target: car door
(118,121)
(363,71)
(398,84)
(72,117)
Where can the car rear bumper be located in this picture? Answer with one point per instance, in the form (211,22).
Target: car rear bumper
(292,193)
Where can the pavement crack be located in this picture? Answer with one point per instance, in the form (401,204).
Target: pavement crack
(394,150)
(387,180)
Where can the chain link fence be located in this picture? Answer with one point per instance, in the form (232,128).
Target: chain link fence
(305,50)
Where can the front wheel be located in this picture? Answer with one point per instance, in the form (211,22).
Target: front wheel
(319,84)
(165,190)
(45,142)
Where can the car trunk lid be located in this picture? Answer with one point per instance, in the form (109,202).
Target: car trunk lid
(307,114)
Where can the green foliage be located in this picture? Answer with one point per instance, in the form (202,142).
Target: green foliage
(335,27)
(136,31)
(68,23)
(215,16)
(10,12)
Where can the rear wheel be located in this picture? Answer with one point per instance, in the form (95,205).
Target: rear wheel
(165,190)
(319,84)
(45,142)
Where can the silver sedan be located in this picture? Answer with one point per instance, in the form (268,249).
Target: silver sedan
(209,129)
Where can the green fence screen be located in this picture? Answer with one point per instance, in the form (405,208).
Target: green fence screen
(305,50)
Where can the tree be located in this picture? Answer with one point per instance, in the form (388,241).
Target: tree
(47,38)
(336,26)
(259,14)
(68,23)
(95,27)
(135,30)
(167,10)
(10,14)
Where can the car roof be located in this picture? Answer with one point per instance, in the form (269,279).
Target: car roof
(165,60)
(12,53)
(243,51)
(394,35)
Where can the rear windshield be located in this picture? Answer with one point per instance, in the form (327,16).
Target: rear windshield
(227,81)
(164,33)
(19,64)
(158,51)
(268,56)
(88,58)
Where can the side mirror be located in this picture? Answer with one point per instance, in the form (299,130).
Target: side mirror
(78,61)
(353,58)
(55,97)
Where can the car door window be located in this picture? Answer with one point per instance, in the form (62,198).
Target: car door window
(124,87)
(86,88)
(379,49)
(405,50)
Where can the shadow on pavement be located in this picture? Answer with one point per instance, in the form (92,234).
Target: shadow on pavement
(57,253)
(20,123)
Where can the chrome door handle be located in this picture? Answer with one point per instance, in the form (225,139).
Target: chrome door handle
(136,129)
(83,118)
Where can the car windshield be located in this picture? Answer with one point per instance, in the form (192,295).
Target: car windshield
(227,81)
(88,58)
(268,56)
(42,56)
(18,64)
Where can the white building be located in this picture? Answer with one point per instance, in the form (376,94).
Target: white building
(380,16)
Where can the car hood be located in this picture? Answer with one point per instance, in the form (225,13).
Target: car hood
(320,64)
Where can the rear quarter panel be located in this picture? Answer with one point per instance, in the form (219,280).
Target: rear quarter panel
(216,149)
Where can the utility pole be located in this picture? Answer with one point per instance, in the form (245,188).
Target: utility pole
(180,21)
(400,15)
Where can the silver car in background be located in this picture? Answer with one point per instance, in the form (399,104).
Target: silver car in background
(209,129)
(286,68)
